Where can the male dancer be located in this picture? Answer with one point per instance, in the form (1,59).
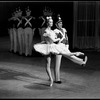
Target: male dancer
(15,32)
(20,32)
(42,19)
(10,31)
(28,31)
(14,42)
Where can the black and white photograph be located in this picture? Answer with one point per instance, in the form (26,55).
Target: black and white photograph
(49,49)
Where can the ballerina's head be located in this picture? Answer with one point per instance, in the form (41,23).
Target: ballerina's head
(49,21)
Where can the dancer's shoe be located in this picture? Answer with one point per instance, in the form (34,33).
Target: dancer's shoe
(51,83)
(79,54)
(85,61)
(58,82)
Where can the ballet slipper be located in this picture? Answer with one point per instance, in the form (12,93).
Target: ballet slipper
(85,61)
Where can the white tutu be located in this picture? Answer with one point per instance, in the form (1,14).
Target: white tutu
(46,49)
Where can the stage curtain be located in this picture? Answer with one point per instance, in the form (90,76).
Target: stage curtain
(86,32)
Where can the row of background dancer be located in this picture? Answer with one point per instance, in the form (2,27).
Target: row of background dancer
(21,31)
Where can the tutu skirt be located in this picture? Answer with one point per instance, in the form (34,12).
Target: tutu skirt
(46,49)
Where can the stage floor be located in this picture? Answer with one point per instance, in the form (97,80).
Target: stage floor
(26,77)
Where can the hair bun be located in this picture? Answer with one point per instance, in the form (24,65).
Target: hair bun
(48,17)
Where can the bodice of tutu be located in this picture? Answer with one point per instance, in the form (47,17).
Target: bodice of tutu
(51,34)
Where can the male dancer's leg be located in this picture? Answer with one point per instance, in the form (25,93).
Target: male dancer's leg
(15,40)
(57,68)
(30,41)
(26,42)
(33,32)
(77,60)
(20,40)
(72,56)
(11,39)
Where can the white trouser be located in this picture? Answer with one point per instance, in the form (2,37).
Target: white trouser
(57,67)
(73,58)
(21,40)
(41,31)
(15,40)
(11,39)
(28,40)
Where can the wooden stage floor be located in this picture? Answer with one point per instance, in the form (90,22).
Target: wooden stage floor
(25,77)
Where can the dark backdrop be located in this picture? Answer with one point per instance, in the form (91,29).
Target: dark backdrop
(64,8)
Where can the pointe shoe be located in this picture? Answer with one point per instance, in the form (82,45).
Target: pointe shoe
(85,59)
(83,65)
(51,84)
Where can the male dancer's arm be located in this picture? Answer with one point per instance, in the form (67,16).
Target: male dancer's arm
(58,32)
(51,37)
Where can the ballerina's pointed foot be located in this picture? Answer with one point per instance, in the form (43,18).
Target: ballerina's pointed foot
(51,83)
